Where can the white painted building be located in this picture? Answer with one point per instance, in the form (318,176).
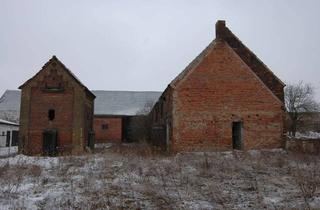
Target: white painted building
(8,133)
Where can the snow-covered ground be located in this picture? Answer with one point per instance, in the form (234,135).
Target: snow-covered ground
(7,151)
(131,177)
(308,135)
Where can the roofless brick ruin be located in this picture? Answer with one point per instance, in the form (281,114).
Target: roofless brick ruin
(226,98)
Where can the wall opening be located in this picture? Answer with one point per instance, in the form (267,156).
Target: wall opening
(51,114)
(50,142)
(104,126)
(237,135)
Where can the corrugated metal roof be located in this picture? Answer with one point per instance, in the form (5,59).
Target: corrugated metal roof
(106,102)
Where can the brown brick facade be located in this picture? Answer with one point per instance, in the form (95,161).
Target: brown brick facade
(55,88)
(197,110)
(107,129)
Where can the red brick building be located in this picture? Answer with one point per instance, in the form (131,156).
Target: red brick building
(225,98)
(108,128)
(115,114)
(56,112)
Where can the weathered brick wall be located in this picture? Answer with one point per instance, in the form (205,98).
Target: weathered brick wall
(54,88)
(220,90)
(112,134)
(39,121)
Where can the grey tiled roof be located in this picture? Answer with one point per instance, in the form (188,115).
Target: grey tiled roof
(10,100)
(122,102)
(106,102)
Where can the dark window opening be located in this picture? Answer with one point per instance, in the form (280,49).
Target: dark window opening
(104,126)
(237,135)
(51,114)
(53,87)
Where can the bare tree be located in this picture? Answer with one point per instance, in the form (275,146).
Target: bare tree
(146,108)
(140,124)
(299,98)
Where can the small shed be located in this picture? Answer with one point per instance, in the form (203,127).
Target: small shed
(8,133)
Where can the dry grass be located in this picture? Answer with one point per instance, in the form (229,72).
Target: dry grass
(135,176)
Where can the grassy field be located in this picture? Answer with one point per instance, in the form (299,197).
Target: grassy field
(135,177)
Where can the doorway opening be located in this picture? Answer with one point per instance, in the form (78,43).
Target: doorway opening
(237,135)
(50,142)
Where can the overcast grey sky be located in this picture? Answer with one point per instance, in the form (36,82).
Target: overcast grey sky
(143,45)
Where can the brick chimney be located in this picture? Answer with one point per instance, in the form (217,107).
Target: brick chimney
(220,29)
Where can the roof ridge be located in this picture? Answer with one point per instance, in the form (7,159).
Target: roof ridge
(248,57)
(256,57)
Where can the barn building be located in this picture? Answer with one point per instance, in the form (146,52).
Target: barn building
(117,113)
(225,98)
(56,113)
(8,133)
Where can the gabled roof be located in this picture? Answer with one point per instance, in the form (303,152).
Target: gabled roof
(126,103)
(55,59)
(248,57)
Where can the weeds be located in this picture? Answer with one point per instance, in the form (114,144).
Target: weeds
(306,174)
(126,177)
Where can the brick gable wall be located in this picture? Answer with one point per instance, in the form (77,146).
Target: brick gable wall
(54,88)
(220,90)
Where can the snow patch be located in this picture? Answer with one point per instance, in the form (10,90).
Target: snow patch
(306,135)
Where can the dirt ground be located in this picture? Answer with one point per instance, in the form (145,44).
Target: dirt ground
(136,177)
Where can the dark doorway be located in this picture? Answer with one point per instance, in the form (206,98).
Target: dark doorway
(15,138)
(8,138)
(237,140)
(91,140)
(127,132)
(50,142)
